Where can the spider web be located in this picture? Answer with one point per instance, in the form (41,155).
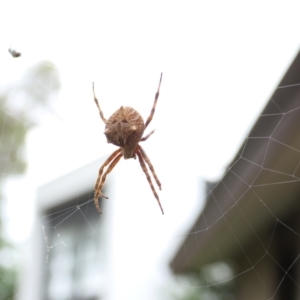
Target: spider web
(202,143)
(248,230)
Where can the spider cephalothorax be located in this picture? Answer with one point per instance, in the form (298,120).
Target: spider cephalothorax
(125,129)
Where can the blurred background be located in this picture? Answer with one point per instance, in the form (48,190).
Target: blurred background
(222,64)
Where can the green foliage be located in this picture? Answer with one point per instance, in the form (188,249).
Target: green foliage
(7,283)
(22,106)
(213,281)
(12,137)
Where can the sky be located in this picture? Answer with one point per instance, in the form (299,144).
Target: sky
(221,61)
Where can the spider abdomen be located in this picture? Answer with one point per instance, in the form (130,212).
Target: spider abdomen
(125,128)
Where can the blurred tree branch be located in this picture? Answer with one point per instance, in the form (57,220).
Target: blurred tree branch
(22,106)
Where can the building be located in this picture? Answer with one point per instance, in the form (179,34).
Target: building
(251,218)
(68,250)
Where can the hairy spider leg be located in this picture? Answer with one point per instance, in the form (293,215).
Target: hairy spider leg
(108,160)
(147,159)
(154,104)
(146,137)
(143,165)
(108,170)
(98,191)
(97,103)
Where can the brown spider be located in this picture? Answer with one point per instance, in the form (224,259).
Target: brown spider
(125,129)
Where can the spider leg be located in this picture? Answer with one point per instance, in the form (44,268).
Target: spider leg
(144,167)
(97,103)
(154,104)
(97,185)
(147,159)
(108,160)
(146,137)
(98,191)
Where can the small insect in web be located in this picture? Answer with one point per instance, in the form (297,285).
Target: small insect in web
(125,128)
(14,53)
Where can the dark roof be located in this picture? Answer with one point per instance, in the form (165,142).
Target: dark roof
(261,184)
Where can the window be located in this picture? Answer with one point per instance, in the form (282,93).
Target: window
(75,251)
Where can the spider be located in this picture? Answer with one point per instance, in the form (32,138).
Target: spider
(125,128)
